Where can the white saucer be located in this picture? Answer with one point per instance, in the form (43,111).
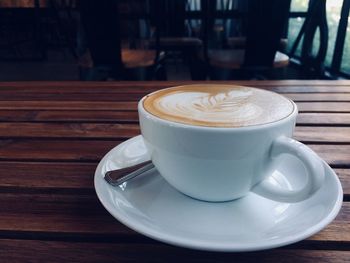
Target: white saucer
(150,206)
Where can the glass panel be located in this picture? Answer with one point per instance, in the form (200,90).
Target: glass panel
(293,31)
(193,25)
(316,43)
(345,65)
(299,5)
(333,17)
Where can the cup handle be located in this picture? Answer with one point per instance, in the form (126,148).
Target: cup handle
(314,172)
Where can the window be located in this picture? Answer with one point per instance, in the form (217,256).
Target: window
(334,11)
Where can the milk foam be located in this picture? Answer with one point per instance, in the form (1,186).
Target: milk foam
(218,105)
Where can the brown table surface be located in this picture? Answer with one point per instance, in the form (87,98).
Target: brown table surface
(53,134)
(21,3)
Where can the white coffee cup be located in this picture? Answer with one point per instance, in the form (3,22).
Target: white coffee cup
(222,164)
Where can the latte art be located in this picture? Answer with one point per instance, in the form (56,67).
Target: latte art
(218,105)
(206,107)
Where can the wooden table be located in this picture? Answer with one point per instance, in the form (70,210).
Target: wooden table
(53,134)
(21,3)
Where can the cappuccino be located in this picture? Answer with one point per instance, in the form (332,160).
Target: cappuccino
(214,105)
(191,136)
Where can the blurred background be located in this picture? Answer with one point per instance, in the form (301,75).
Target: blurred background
(174,39)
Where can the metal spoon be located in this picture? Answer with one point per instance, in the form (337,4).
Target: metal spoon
(117,177)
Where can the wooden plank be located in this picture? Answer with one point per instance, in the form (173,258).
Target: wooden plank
(323,106)
(37,177)
(94,150)
(336,155)
(319,96)
(63,177)
(58,252)
(70,130)
(68,116)
(330,85)
(134,95)
(336,228)
(344,176)
(109,93)
(132,105)
(68,105)
(125,131)
(322,134)
(132,117)
(305,88)
(57,215)
(68,216)
(55,150)
(137,94)
(323,119)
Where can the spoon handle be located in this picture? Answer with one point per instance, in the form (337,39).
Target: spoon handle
(117,177)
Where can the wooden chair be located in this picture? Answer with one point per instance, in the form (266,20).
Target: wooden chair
(240,43)
(258,51)
(235,59)
(312,63)
(102,27)
(174,32)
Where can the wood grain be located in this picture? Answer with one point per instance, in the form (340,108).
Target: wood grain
(324,107)
(67,96)
(322,134)
(67,177)
(319,97)
(68,116)
(133,95)
(68,105)
(125,131)
(60,177)
(94,150)
(122,116)
(132,106)
(21,3)
(53,134)
(335,229)
(54,216)
(55,150)
(330,119)
(302,86)
(70,130)
(127,93)
(57,252)
(335,155)
(344,176)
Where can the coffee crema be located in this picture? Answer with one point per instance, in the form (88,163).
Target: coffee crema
(213,105)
